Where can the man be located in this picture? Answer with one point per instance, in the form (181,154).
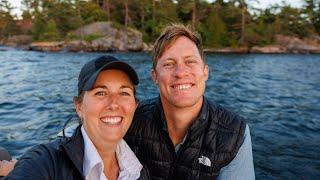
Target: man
(182,134)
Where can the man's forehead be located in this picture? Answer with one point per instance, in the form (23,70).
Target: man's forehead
(172,56)
(173,53)
(167,52)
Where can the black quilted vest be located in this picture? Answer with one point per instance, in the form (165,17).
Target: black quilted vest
(212,141)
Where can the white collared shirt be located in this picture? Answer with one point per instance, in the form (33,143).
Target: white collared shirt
(93,166)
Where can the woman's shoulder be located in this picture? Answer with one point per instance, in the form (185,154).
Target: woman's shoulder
(43,152)
(37,162)
(50,147)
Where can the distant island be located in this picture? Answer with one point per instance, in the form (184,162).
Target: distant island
(110,25)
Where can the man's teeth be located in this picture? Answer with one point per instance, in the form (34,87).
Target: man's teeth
(183,86)
(111,120)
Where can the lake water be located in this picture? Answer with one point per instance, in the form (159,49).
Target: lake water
(279,95)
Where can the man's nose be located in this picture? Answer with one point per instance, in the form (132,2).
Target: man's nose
(180,70)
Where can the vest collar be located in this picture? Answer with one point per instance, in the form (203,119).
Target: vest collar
(197,126)
(74,147)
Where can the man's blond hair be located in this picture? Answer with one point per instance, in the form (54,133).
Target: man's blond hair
(169,35)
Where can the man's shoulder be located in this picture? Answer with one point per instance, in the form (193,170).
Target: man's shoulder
(230,128)
(224,116)
(146,106)
(144,119)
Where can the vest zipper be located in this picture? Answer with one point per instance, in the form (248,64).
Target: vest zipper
(176,155)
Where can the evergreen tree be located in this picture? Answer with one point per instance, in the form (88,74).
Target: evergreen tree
(50,32)
(312,10)
(184,10)
(292,23)
(215,32)
(91,12)
(8,26)
(39,26)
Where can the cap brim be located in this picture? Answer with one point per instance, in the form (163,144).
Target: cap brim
(113,65)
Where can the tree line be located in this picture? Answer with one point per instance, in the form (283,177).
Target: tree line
(221,23)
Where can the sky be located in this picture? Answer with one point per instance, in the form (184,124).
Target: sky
(260,4)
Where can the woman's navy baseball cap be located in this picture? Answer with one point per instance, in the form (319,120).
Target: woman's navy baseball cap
(91,70)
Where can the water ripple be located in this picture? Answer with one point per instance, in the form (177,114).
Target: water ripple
(279,96)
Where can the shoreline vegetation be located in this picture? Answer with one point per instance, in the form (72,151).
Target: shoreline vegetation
(109,25)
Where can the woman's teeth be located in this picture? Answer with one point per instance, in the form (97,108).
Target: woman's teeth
(111,120)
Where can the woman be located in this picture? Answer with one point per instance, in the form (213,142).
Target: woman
(6,162)
(105,105)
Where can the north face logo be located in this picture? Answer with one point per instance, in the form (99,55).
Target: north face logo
(205,161)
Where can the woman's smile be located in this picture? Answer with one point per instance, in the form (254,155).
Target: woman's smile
(112,120)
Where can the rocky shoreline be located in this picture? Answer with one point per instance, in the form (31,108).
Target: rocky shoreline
(95,37)
(108,38)
(282,45)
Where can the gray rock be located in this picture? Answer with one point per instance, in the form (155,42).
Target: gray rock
(17,41)
(296,45)
(112,38)
(47,46)
(227,50)
(273,49)
(147,47)
(77,45)
(97,28)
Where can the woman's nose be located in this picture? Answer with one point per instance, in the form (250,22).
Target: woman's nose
(112,104)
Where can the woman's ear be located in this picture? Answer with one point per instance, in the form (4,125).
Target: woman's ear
(77,106)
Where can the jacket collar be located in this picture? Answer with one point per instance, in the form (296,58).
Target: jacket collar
(197,126)
(74,147)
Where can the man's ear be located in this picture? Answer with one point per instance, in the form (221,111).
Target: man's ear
(154,76)
(206,71)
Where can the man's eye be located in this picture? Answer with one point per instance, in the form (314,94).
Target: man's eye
(125,94)
(100,93)
(191,61)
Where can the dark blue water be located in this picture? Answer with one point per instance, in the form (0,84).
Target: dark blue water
(279,95)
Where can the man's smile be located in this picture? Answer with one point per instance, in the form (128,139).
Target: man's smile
(185,86)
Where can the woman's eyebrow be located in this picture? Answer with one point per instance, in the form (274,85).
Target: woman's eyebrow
(170,58)
(100,86)
(125,86)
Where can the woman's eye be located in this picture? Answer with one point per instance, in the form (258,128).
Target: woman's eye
(168,64)
(100,93)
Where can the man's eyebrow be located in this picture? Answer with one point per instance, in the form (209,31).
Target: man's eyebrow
(190,56)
